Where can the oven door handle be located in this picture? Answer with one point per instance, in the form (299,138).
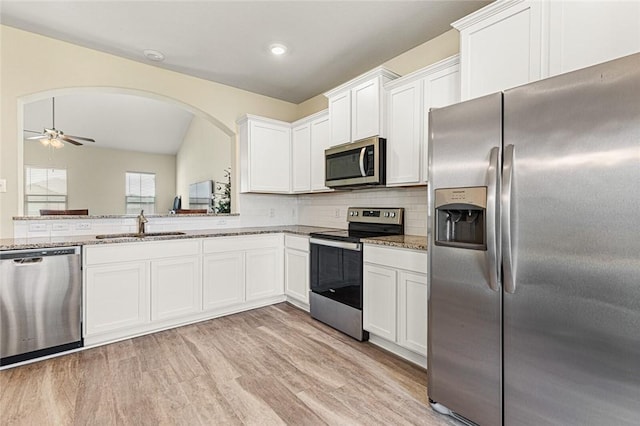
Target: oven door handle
(337,244)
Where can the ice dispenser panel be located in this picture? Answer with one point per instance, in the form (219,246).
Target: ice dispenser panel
(460,217)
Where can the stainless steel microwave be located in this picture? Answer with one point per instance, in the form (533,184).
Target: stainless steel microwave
(356,164)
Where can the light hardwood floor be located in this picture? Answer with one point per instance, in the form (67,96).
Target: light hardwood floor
(270,366)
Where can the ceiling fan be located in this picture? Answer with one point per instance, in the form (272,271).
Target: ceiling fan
(54,137)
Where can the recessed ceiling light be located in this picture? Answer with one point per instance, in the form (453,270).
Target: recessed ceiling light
(153,55)
(278,49)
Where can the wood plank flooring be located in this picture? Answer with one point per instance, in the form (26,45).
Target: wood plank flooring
(270,366)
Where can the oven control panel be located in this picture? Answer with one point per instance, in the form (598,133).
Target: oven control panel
(386,215)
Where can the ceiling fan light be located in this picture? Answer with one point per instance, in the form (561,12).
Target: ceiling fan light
(45,141)
(56,143)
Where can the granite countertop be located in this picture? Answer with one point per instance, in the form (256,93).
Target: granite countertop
(414,242)
(79,240)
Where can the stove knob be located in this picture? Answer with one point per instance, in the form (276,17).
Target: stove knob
(393,214)
(355,213)
(386,214)
(350,213)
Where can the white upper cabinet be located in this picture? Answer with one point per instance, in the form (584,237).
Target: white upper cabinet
(500,47)
(404,138)
(265,155)
(409,99)
(320,140)
(514,42)
(340,117)
(366,110)
(310,137)
(301,157)
(586,33)
(356,108)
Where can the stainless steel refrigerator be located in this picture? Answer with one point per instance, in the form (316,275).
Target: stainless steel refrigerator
(534,251)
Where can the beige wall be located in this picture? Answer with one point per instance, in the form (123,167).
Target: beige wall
(428,53)
(205,153)
(30,63)
(96,176)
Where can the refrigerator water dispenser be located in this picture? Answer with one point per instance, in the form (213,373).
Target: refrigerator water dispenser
(460,217)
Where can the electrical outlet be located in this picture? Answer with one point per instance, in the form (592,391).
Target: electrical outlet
(272,212)
(3,185)
(60,227)
(337,212)
(83,225)
(37,227)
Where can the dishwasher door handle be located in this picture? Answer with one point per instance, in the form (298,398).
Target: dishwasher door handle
(28,260)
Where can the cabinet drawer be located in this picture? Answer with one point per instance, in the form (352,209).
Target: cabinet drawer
(223,244)
(147,250)
(297,243)
(410,260)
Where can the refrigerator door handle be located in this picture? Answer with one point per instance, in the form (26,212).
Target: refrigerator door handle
(508,254)
(493,225)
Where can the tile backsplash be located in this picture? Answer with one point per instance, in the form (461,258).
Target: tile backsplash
(330,209)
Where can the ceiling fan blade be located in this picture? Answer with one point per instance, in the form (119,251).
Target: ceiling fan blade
(81,138)
(31,131)
(40,136)
(67,139)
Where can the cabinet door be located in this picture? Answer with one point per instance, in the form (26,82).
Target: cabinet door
(270,161)
(440,89)
(301,158)
(296,264)
(176,288)
(412,310)
(340,118)
(117,297)
(404,137)
(365,110)
(380,302)
(503,50)
(320,140)
(586,33)
(263,273)
(223,279)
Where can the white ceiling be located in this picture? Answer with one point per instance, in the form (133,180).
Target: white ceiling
(329,42)
(114,120)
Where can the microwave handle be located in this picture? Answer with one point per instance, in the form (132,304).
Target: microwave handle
(363,151)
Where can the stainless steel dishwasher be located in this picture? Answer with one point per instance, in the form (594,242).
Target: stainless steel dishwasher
(40,302)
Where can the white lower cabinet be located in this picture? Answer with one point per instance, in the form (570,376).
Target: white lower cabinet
(263,273)
(412,314)
(395,300)
(296,269)
(138,288)
(223,279)
(242,269)
(116,297)
(380,301)
(176,287)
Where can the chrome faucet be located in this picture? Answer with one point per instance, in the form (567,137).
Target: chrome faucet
(141,221)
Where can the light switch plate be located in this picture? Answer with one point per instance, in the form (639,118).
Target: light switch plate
(3,185)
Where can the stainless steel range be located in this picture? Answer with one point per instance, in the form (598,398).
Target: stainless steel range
(336,267)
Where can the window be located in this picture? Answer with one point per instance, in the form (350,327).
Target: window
(140,192)
(44,188)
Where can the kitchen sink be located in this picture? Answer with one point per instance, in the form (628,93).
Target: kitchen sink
(136,235)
